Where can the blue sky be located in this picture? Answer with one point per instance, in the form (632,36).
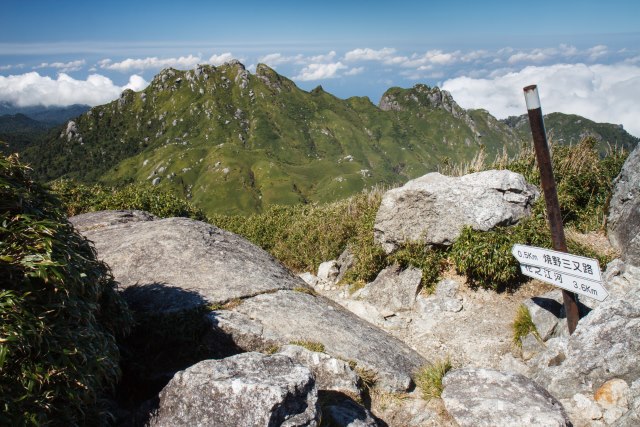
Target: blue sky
(585,55)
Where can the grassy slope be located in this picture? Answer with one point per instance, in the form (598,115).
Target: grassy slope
(235,142)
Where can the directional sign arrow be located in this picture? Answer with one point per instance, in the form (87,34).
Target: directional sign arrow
(578,285)
(578,266)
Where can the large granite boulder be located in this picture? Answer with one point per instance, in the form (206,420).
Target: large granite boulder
(249,389)
(434,208)
(484,397)
(604,346)
(252,301)
(624,210)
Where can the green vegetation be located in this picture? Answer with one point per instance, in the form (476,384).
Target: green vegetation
(523,326)
(310,345)
(238,143)
(429,378)
(59,312)
(78,198)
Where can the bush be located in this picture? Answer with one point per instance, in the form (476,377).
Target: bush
(78,198)
(523,325)
(429,378)
(59,312)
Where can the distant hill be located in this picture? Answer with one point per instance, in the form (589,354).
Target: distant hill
(19,131)
(235,142)
(570,129)
(51,116)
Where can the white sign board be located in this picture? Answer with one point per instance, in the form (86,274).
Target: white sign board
(574,265)
(571,272)
(575,284)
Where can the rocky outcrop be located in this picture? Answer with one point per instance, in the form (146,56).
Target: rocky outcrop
(483,397)
(434,208)
(624,210)
(604,346)
(249,389)
(174,264)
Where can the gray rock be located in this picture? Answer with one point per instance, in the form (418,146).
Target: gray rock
(346,260)
(330,373)
(531,346)
(250,389)
(434,208)
(393,290)
(309,278)
(483,397)
(183,254)
(328,271)
(547,313)
(447,288)
(604,346)
(624,210)
(286,316)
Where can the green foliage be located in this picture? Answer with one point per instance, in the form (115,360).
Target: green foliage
(523,325)
(59,312)
(78,198)
(429,378)
(310,345)
(303,236)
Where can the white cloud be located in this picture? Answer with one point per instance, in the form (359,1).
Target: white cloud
(274,59)
(367,54)
(219,59)
(64,67)
(597,51)
(354,71)
(323,58)
(129,64)
(10,67)
(34,89)
(603,93)
(536,55)
(320,71)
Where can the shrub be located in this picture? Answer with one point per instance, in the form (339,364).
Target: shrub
(523,325)
(79,198)
(429,378)
(310,345)
(59,312)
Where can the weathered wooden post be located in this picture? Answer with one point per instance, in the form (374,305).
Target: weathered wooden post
(550,193)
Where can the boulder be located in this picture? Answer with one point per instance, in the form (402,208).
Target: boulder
(182,253)
(483,397)
(328,271)
(347,413)
(176,264)
(624,210)
(330,373)
(393,290)
(434,208)
(547,314)
(249,389)
(604,346)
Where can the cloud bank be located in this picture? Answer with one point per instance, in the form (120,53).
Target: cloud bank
(34,89)
(603,93)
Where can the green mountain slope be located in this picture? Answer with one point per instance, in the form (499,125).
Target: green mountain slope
(235,142)
(18,131)
(570,129)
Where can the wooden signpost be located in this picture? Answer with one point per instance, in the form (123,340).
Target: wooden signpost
(550,194)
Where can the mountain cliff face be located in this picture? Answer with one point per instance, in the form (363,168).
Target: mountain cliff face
(235,142)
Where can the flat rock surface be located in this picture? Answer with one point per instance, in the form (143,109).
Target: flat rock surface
(286,316)
(162,255)
(484,397)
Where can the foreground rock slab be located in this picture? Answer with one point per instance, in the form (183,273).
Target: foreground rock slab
(287,316)
(483,397)
(249,389)
(181,253)
(434,208)
(174,264)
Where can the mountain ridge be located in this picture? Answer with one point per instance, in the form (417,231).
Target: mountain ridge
(237,142)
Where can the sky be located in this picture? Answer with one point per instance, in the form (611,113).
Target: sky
(584,55)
